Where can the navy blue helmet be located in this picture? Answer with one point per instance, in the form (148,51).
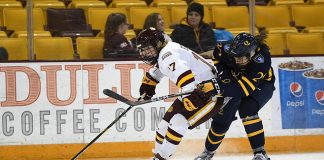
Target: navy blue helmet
(244,44)
(241,50)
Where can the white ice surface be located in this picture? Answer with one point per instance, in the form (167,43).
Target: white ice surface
(289,156)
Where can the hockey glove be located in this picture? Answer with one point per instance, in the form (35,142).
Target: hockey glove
(210,88)
(195,100)
(147,89)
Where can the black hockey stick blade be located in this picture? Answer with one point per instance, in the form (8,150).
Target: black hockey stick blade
(119,97)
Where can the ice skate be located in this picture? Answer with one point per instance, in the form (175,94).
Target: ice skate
(158,157)
(206,155)
(261,156)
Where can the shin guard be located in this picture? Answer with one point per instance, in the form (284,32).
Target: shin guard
(254,130)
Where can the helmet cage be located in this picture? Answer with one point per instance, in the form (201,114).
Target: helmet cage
(149,43)
(148,54)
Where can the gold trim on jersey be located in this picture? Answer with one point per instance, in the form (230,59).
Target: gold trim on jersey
(244,88)
(248,82)
(255,133)
(185,78)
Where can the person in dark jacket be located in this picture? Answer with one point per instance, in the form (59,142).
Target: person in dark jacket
(115,41)
(193,32)
(3,54)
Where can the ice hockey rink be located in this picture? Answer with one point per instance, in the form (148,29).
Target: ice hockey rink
(44,131)
(276,156)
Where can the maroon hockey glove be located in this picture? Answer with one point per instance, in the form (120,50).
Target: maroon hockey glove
(195,100)
(147,89)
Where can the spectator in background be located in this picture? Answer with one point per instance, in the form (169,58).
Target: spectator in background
(3,54)
(115,41)
(156,21)
(192,32)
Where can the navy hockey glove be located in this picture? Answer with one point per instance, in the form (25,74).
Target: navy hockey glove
(147,89)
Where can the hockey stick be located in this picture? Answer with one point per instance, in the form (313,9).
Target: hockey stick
(111,124)
(116,96)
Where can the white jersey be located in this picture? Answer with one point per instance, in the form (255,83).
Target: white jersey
(179,64)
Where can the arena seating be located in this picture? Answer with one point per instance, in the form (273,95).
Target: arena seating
(53,48)
(277,43)
(90,48)
(16,47)
(280,19)
(301,43)
(273,19)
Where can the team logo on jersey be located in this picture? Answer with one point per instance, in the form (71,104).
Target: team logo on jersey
(258,58)
(226,80)
(319,96)
(166,55)
(296,89)
(188,105)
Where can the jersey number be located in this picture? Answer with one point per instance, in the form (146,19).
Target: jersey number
(258,78)
(172,66)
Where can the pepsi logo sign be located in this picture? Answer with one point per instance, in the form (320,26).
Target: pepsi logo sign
(296,89)
(319,96)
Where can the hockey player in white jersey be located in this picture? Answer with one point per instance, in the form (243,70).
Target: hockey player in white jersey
(188,72)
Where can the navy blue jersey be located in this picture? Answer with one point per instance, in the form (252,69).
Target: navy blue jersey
(242,82)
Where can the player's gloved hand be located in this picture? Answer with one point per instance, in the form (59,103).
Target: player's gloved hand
(195,100)
(147,89)
(210,88)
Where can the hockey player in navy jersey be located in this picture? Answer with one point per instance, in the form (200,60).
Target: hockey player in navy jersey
(181,66)
(245,73)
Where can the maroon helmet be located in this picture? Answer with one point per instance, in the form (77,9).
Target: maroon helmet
(149,43)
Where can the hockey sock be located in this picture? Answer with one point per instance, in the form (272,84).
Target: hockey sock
(254,130)
(160,135)
(177,128)
(213,140)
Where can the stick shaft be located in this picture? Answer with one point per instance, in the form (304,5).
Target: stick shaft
(119,97)
(101,133)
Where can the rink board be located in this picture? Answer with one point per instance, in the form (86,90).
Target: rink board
(281,144)
(52,109)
